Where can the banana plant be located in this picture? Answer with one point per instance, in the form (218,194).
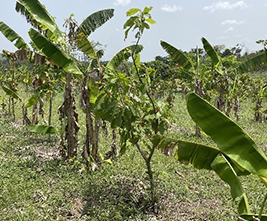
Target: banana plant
(57,49)
(197,69)
(236,153)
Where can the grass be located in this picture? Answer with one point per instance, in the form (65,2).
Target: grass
(37,185)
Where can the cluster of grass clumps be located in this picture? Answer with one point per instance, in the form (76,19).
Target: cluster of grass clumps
(37,185)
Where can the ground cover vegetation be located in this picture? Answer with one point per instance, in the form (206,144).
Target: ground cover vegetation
(122,151)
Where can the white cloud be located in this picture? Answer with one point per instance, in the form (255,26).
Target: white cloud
(122,2)
(232,22)
(231,29)
(225,5)
(223,37)
(169,8)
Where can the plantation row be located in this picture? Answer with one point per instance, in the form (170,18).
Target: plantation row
(135,99)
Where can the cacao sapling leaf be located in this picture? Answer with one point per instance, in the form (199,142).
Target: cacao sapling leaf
(10,92)
(132,11)
(41,129)
(32,100)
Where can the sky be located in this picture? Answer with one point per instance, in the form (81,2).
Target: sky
(181,23)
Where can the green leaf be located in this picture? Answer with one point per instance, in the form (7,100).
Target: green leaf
(132,11)
(151,21)
(41,15)
(230,138)
(253,63)
(85,45)
(41,129)
(130,22)
(177,55)
(10,92)
(95,20)
(23,11)
(211,52)
(249,217)
(227,173)
(200,156)
(123,55)
(12,36)
(32,100)
(53,52)
(147,10)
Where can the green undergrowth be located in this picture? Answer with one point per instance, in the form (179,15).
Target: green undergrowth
(37,185)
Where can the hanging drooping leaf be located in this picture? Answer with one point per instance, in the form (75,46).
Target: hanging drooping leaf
(227,173)
(211,52)
(23,11)
(10,92)
(123,55)
(95,20)
(53,52)
(41,129)
(85,45)
(12,36)
(39,13)
(177,55)
(230,138)
(253,63)
(200,156)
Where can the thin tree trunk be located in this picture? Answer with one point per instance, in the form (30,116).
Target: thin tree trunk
(67,112)
(113,152)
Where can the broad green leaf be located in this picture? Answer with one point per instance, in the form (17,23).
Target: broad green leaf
(23,11)
(53,52)
(12,36)
(123,55)
(151,21)
(211,52)
(147,10)
(39,13)
(32,100)
(249,217)
(227,173)
(130,22)
(95,20)
(132,11)
(253,63)
(10,92)
(177,55)
(41,129)
(200,156)
(230,138)
(85,45)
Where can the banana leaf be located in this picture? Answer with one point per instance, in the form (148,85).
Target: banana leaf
(253,63)
(249,217)
(53,52)
(230,138)
(23,11)
(177,55)
(123,55)
(39,13)
(95,20)
(211,52)
(85,45)
(200,156)
(227,173)
(12,36)
(211,158)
